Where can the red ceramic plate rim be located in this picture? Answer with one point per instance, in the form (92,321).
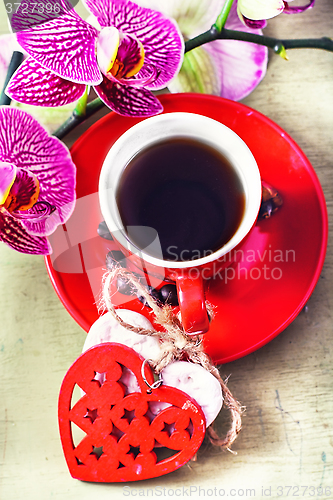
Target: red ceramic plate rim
(174,100)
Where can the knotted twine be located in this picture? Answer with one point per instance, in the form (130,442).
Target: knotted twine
(175,345)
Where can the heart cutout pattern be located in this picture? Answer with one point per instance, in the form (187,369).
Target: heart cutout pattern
(123,439)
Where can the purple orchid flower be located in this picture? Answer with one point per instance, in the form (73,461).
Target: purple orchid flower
(37,182)
(255,12)
(137,50)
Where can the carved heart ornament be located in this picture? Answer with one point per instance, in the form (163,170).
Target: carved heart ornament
(121,439)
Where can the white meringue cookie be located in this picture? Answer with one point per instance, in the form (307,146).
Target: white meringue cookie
(108,329)
(198,383)
(129,380)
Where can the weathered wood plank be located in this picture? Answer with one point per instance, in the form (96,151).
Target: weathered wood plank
(286,386)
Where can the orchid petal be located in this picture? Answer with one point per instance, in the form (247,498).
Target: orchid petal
(130,57)
(24,191)
(44,226)
(233,67)
(127,100)
(260,9)
(14,234)
(107,48)
(161,39)
(299,9)
(38,212)
(50,118)
(193,16)
(147,76)
(26,144)
(29,14)
(93,21)
(65,46)
(240,65)
(32,84)
(251,23)
(198,74)
(7,178)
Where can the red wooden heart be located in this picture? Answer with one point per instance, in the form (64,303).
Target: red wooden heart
(123,438)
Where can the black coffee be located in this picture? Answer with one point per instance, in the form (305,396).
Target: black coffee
(187,192)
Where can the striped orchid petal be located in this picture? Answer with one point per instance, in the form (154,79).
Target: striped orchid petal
(65,46)
(127,100)
(144,79)
(160,36)
(25,15)
(49,117)
(27,145)
(38,212)
(35,85)
(15,235)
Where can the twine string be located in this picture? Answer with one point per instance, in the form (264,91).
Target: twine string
(175,345)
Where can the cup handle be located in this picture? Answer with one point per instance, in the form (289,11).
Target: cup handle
(191,298)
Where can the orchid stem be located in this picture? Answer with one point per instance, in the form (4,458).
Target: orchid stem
(223,16)
(15,62)
(81,106)
(75,118)
(323,43)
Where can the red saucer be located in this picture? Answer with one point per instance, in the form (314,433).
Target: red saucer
(280,265)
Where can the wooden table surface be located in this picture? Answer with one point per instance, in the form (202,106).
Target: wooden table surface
(285,448)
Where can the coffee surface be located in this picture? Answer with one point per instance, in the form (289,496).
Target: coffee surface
(187,192)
